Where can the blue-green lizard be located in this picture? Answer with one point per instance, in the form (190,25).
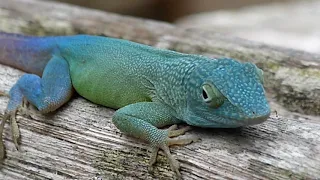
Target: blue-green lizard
(150,87)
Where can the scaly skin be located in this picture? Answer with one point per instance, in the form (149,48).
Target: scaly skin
(150,87)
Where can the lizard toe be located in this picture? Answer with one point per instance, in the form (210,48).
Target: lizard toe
(15,130)
(5,117)
(174,164)
(174,132)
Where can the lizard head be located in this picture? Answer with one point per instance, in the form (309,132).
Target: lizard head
(226,93)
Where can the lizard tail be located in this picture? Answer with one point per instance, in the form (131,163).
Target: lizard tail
(26,53)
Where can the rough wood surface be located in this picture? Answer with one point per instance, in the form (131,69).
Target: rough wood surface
(80,142)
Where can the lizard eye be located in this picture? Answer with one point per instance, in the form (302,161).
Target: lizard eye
(212,96)
(205,95)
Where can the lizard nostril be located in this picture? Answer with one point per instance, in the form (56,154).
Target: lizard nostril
(253,112)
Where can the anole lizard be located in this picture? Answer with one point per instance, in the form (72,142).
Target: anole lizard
(150,87)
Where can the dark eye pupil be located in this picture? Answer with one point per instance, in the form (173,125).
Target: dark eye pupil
(204,94)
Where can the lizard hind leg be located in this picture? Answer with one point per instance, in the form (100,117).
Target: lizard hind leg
(47,94)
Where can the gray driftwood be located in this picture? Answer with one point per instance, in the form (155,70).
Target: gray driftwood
(80,142)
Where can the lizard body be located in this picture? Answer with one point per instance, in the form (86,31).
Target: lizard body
(150,87)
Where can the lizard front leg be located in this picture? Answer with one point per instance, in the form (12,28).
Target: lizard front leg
(46,94)
(141,121)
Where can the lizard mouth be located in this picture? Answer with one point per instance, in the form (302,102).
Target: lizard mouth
(226,122)
(255,120)
(244,122)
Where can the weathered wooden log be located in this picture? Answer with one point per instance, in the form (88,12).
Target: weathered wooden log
(80,142)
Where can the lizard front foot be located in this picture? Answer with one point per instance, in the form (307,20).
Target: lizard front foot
(143,120)
(172,132)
